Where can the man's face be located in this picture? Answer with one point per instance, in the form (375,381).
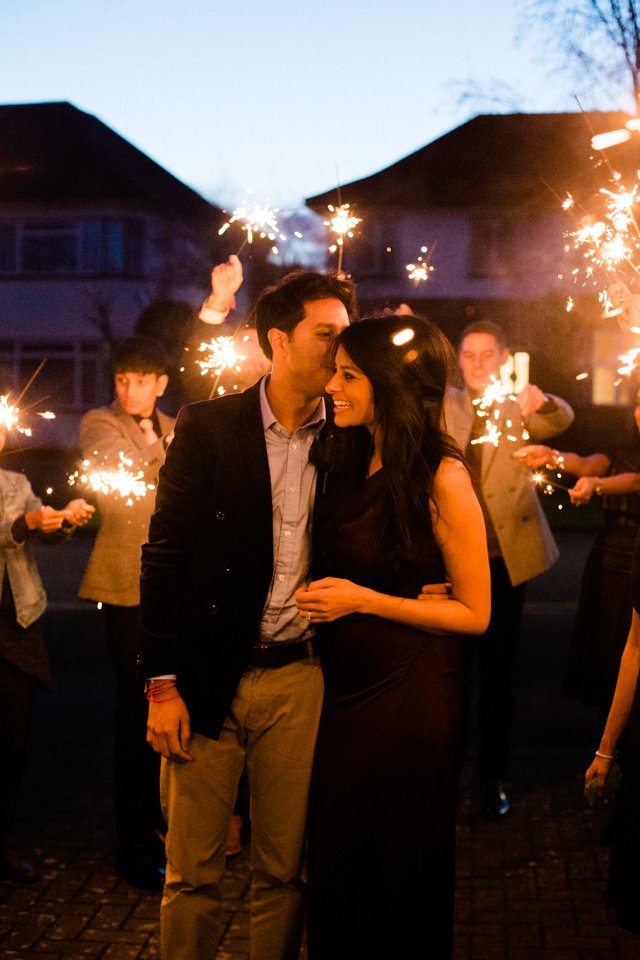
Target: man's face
(480,358)
(137,392)
(310,346)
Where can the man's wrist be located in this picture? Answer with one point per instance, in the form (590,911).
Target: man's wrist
(213,312)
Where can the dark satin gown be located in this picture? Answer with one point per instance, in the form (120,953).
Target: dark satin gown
(384,783)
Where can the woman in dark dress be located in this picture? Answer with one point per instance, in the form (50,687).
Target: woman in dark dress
(384,784)
(622,735)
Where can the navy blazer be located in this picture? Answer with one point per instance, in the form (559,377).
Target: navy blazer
(208,563)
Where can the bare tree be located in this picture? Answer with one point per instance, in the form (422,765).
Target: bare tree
(598,40)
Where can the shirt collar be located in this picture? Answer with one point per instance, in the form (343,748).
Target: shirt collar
(317,420)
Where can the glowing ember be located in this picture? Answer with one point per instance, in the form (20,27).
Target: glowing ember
(419,271)
(257,220)
(547,485)
(488,407)
(121,482)
(10,417)
(342,223)
(221,354)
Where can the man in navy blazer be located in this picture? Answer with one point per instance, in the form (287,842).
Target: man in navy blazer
(233,679)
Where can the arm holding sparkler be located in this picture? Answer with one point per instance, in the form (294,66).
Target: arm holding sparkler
(226,280)
(47,520)
(591,471)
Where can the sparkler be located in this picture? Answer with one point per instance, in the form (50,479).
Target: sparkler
(221,355)
(420,270)
(10,416)
(342,223)
(258,220)
(121,482)
(488,407)
(10,413)
(546,484)
(609,240)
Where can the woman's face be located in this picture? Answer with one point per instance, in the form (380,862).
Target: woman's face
(352,394)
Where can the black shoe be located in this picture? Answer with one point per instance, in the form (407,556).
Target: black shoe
(495,802)
(17,870)
(141,870)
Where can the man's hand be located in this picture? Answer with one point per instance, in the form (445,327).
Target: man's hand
(77,512)
(535,455)
(530,399)
(169,729)
(435,591)
(226,280)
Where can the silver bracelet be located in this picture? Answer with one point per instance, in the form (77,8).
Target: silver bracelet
(606,756)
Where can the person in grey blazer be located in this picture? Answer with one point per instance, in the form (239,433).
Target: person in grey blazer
(521,544)
(132,427)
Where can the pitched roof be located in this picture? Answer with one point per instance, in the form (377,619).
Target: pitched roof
(490,161)
(53,151)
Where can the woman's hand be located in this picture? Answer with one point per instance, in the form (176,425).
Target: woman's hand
(598,771)
(584,489)
(45,519)
(331,598)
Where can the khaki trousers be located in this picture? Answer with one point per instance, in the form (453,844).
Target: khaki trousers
(271,728)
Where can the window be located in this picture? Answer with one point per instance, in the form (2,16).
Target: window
(74,376)
(609,386)
(48,248)
(491,249)
(515,371)
(66,247)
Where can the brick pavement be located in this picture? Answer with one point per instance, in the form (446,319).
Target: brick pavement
(529,888)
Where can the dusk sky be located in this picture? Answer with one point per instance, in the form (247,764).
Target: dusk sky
(281,96)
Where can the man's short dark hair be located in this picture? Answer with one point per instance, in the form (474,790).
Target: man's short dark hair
(139,355)
(485,326)
(282,305)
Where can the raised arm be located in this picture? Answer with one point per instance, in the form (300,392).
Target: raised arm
(226,280)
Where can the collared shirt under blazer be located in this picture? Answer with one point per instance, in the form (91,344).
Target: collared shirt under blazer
(113,572)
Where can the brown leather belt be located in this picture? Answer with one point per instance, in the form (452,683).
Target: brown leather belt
(280,654)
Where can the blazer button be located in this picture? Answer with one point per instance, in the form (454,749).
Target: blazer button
(227,569)
(213,608)
(220,515)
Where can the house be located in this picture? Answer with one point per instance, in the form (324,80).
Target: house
(92,231)
(486,201)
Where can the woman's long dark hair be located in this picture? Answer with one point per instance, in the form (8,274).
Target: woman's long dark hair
(408,361)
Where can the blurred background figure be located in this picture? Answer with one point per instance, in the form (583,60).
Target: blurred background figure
(24,664)
(604,607)
(521,544)
(132,426)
